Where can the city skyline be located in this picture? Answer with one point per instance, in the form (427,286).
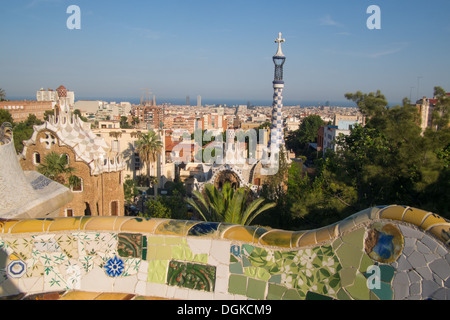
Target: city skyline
(224,50)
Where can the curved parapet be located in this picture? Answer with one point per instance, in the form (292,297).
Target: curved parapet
(382,253)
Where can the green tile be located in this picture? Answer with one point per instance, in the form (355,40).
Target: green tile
(315,296)
(256,289)
(292,294)
(275,278)
(233,258)
(237,284)
(245,262)
(366,262)
(144,254)
(386,273)
(262,274)
(347,276)
(275,292)
(385,292)
(163,253)
(236,268)
(172,240)
(247,249)
(201,258)
(251,271)
(342,295)
(355,238)
(359,289)
(157,271)
(349,255)
(155,240)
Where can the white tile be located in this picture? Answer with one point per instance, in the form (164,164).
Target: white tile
(220,251)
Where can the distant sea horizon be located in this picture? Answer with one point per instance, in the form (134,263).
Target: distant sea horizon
(219,101)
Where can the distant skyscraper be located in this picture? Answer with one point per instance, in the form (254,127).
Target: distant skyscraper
(187,101)
(276,133)
(199,101)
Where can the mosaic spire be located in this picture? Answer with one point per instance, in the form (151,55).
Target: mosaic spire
(276,134)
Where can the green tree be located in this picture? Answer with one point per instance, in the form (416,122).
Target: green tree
(149,146)
(124,123)
(2,95)
(155,208)
(5,116)
(78,113)
(228,205)
(299,139)
(56,167)
(129,189)
(47,114)
(23,131)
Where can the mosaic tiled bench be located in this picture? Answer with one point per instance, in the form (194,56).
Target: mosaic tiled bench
(382,253)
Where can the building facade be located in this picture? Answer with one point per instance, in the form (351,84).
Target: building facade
(98,170)
(20,110)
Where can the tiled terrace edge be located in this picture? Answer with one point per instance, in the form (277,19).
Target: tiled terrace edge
(389,252)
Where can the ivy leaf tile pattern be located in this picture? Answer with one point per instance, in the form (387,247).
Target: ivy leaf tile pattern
(299,272)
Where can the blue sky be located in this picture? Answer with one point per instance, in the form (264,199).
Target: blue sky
(223,49)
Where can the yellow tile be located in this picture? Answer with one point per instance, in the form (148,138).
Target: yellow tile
(172,227)
(13,257)
(64,224)
(80,295)
(415,216)
(323,234)
(239,233)
(84,220)
(441,231)
(277,238)
(296,236)
(140,225)
(28,225)
(307,239)
(101,223)
(6,225)
(114,296)
(431,220)
(393,213)
(345,226)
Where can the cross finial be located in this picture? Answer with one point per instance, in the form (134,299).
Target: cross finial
(279,40)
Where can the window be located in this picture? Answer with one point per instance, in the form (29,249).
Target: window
(76,184)
(114,208)
(69,212)
(137,162)
(36,158)
(115,145)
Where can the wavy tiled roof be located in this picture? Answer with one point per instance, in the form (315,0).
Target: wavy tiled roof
(88,147)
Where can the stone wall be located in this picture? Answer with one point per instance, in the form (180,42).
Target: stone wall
(381,253)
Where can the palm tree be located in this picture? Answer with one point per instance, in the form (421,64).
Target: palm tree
(2,94)
(55,167)
(228,205)
(149,146)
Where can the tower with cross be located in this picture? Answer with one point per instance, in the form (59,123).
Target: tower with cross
(276,133)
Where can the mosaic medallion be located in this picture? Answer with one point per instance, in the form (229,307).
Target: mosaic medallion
(114,267)
(384,242)
(16,268)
